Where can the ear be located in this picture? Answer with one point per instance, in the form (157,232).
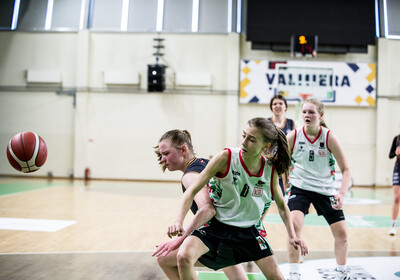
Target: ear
(184,149)
(267,147)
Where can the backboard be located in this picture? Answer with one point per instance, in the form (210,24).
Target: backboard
(296,83)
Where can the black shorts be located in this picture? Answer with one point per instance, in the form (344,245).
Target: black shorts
(301,199)
(396,174)
(230,245)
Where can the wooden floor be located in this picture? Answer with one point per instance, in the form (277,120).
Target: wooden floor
(116,226)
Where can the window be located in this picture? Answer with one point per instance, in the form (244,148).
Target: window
(6,14)
(180,16)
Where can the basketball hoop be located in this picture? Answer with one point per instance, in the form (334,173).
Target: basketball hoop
(304,96)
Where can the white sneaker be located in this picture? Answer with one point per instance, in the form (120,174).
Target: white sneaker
(392,231)
(294,276)
(342,275)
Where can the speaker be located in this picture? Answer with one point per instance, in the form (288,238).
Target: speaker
(156,77)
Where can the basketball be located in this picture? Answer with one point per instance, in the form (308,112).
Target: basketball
(26,152)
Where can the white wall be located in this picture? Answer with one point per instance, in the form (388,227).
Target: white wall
(112,130)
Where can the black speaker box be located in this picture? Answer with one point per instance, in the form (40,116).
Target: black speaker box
(156,77)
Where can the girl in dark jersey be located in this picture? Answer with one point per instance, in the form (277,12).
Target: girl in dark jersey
(278,106)
(395,152)
(175,152)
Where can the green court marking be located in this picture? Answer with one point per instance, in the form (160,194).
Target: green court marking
(203,275)
(17,187)
(357,221)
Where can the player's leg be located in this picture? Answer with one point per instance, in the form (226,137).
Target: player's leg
(295,255)
(339,232)
(395,209)
(169,265)
(298,223)
(235,272)
(298,202)
(396,198)
(189,252)
(269,267)
(341,243)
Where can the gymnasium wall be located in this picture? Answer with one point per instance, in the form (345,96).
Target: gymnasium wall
(112,129)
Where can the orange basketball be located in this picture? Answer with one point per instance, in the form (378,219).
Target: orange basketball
(26,152)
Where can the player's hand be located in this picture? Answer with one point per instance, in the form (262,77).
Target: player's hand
(167,247)
(298,243)
(339,202)
(175,229)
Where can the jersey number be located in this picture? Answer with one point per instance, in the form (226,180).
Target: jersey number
(311,155)
(245,190)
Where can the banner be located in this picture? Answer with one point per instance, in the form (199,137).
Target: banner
(335,83)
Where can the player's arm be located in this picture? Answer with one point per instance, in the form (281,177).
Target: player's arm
(205,210)
(337,151)
(204,213)
(284,212)
(393,148)
(216,165)
(290,138)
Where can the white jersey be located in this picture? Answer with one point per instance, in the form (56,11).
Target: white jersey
(240,198)
(313,165)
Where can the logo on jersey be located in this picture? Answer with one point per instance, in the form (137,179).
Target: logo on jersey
(322,145)
(260,183)
(322,153)
(301,146)
(257,192)
(262,242)
(235,173)
(234,181)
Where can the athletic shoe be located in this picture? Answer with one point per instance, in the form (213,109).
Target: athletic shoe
(294,276)
(342,275)
(392,231)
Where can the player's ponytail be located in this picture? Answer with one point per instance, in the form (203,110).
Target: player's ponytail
(282,162)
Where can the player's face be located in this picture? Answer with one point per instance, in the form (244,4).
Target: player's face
(252,142)
(278,107)
(310,115)
(171,157)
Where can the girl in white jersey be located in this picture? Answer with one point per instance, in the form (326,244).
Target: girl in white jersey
(175,152)
(243,181)
(314,149)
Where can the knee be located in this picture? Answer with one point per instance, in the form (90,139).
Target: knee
(162,261)
(184,260)
(298,225)
(341,236)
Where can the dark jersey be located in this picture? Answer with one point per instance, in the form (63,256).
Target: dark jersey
(289,126)
(196,165)
(395,144)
